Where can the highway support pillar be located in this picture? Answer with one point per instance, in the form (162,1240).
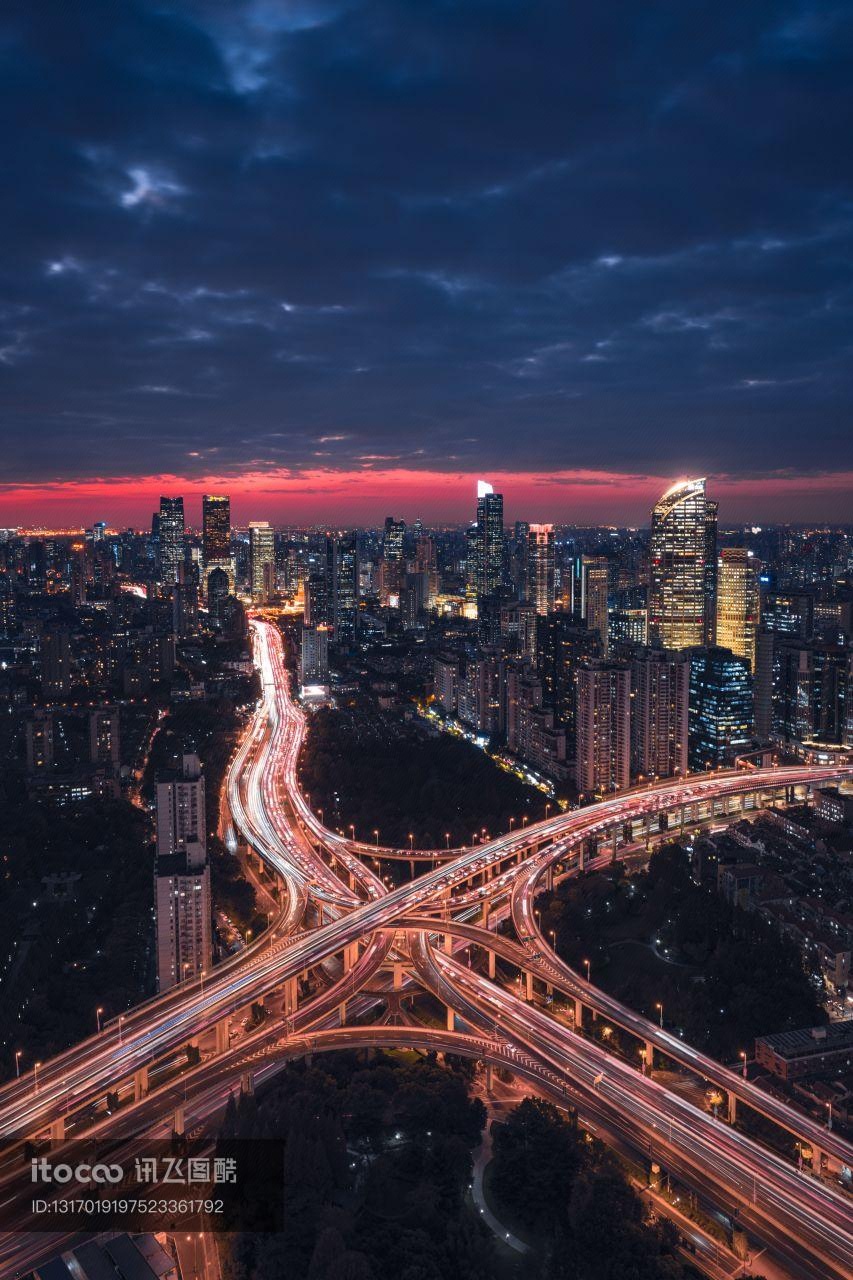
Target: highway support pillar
(398,977)
(342,1010)
(450,1018)
(528,985)
(488,1077)
(581,855)
(247,1084)
(350,956)
(491,970)
(140,1083)
(448,943)
(484,913)
(57,1129)
(578,1015)
(291,996)
(223,1039)
(732,1107)
(549,878)
(649,1058)
(178,1122)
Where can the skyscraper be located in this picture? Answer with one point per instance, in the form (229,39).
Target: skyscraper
(216,528)
(660,694)
(540,567)
(720,713)
(738,602)
(603,727)
(216,539)
(171,539)
(342,577)
(488,546)
(679,542)
(261,559)
(594,591)
(711,509)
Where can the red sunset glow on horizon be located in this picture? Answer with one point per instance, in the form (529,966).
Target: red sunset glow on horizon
(364,497)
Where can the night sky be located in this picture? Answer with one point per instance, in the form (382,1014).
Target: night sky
(339,259)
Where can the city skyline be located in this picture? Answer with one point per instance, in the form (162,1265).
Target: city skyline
(442,498)
(346,256)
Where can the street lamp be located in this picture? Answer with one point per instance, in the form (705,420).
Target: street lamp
(121,1017)
(511,821)
(376,837)
(447,839)
(660,1007)
(411,841)
(742,1057)
(588,970)
(36,1066)
(98,1013)
(352,831)
(18,1053)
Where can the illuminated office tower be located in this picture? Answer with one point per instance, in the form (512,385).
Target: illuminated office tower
(660,696)
(738,602)
(603,727)
(594,590)
(393,538)
(489,540)
(711,509)
(721,710)
(391,567)
(342,579)
(679,542)
(216,540)
(261,559)
(171,539)
(182,876)
(540,567)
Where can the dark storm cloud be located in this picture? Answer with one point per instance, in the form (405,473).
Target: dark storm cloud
(496,234)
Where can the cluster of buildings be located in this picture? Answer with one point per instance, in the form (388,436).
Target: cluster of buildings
(606,665)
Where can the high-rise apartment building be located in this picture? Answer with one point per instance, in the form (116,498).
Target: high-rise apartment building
(679,575)
(170,539)
(660,697)
(39,741)
(603,761)
(738,602)
(262,559)
(563,642)
(720,712)
(540,567)
(182,876)
(104,740)
(314,658)
(55,655)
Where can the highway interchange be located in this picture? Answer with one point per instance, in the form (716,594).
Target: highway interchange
(341,922)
